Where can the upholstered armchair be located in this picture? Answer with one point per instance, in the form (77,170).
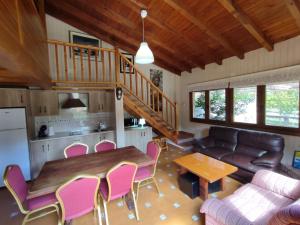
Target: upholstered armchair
(270,199)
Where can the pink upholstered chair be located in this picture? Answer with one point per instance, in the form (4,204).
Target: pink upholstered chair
(32,208)
(76,149)
(145,175)
(105,145)
(118,183)
(270,199)
(78,197)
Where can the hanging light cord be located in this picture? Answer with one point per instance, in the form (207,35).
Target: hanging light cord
(143,30)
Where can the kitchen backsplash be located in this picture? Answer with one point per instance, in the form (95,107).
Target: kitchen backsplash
(75,121)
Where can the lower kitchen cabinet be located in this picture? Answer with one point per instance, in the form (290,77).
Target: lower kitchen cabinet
(139,137)
(42,151)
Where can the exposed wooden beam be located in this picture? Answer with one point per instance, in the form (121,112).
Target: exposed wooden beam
(66,11)
(294,10)
(247,23)
(197,58)
(192,17)
(131,28)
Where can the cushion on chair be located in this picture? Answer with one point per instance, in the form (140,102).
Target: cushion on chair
(143,173)
(41,201)
(277,183)
(242,161)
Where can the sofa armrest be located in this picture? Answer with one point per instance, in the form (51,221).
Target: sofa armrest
(269,159)
(223,212)
(287,215)
(204,142)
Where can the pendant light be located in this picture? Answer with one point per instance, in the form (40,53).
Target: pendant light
(144,55)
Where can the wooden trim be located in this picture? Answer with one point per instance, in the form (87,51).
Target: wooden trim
(247,23)
(260,125)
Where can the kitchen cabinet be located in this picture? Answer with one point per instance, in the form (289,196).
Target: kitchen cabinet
(139,137)
(44,103)
(101,101)
(49,149)
(13,98)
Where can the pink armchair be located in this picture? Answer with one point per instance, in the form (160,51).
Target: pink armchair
(270,199)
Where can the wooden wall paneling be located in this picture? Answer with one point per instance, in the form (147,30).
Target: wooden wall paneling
(253,29)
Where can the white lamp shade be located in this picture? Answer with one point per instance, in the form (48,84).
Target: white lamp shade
(144,55)
(142,121)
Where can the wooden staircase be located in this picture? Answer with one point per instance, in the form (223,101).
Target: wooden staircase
(79,66)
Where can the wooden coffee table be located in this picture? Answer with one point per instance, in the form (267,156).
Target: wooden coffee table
(208,169)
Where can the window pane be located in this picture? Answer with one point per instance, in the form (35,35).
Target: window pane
(244,100)
(282,105)
(199,105)
(217,105)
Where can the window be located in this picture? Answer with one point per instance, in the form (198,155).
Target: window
(198,104)
(217,105)
(244,105)
(282,105)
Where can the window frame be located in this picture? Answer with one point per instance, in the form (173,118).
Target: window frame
(229,122)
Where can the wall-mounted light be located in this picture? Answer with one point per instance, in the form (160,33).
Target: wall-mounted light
(119,93)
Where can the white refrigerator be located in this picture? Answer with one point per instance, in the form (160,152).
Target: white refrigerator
(13,141)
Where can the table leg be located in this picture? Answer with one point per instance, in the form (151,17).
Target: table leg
(203,188)
(202,218)
(222,184)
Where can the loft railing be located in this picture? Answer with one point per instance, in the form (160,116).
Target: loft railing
(82,64)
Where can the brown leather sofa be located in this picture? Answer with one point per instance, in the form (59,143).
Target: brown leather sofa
(250,151)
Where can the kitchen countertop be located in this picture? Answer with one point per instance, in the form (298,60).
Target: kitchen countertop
(136,128)
(68,135)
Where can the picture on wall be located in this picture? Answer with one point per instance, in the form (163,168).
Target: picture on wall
(127,68)
(296,160)
(85,39)
(156,76)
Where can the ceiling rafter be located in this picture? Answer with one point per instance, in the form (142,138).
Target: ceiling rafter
(132,28)
(137,6)
(247,23)
(66,11)
(191,44)
(192,17)
(294,10)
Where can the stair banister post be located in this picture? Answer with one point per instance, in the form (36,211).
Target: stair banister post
(176,118)
(117,66)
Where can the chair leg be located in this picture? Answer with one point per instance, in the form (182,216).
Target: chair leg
(105,211)
(156,184)
(99,214)
(137,190)
(25,219)
(135,206)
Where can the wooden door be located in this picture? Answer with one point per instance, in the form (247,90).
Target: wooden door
(94,105)
(109,101)
(38,157)
(50,103)
(13,98)
(36,100)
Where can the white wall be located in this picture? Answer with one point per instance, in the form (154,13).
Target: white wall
(285,53)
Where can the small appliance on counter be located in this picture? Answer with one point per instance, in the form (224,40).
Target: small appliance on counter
(51,131)
(43,132)
(102,126)
(130,122)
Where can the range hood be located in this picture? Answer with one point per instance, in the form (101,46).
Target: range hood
(73,102)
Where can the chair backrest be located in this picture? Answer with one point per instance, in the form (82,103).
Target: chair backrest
(17,186)
(120,179)
(78,196)
(153,151)
(105,145)
(76,149)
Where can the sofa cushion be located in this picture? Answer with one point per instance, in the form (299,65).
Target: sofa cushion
(224,137)
(277,183)
(242,161)
(258,205)
(216,152)
(257,144)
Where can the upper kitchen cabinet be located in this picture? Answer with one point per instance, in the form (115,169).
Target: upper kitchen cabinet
(13,98)
(44,103)
(23,45)
(101,101)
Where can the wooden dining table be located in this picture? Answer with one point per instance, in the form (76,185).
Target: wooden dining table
(57,172)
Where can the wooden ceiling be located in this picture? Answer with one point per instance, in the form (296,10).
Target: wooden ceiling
(184,34)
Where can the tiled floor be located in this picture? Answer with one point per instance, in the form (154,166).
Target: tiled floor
(170,207)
